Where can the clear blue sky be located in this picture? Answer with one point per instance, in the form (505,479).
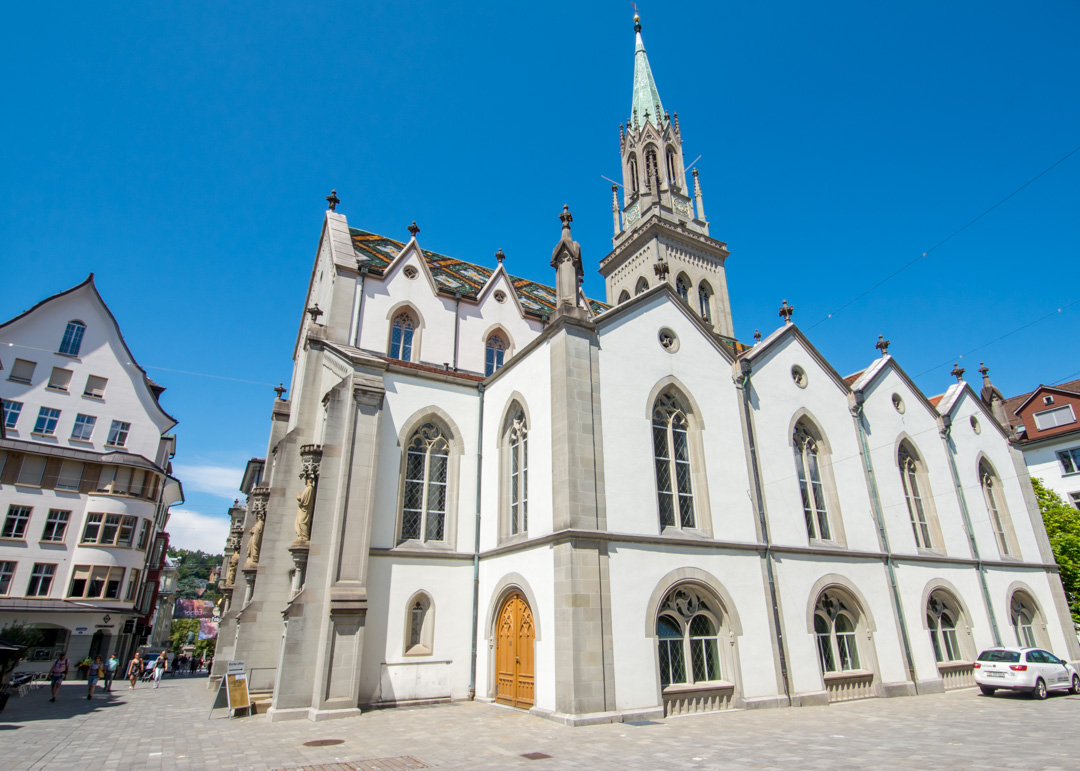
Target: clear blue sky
(182,152)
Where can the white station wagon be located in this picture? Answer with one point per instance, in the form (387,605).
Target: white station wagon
(1024,669)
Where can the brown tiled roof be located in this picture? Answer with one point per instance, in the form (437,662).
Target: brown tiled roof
(1012,404)
(850,379)
(452,275)
(935,399)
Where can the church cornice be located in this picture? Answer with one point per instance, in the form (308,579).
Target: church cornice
(674,230)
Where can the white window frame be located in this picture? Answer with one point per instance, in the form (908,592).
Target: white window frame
(16,522)
(12,411)
(1041,418)
(83,429)
(118,434)
(55,530)
(46,422)
(41,578)
(1070,460)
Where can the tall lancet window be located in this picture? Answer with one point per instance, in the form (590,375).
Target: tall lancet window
(652,170)
(519,473)
(633,174)
(682,286)
(423,515)
(808,468)
(992,494)
(401,337)
(671,453)
(496,351)
(909,476)
(672,165)
(704,294)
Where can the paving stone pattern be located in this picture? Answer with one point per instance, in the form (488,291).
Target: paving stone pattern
(167,729)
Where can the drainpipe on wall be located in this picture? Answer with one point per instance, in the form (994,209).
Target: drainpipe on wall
(950,450)
(476,543)
(742,383)
(457,326)
(875,500)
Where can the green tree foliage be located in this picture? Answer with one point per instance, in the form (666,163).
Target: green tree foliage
(1063,526)
(178,637)
(193,574)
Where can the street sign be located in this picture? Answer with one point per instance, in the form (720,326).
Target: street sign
(235,687)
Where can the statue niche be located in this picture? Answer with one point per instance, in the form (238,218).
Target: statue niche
(305,500)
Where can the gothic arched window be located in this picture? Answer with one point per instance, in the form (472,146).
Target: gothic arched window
(682,287)
(992,494)
(652,170)
(811,487)
(941,620)
(672,165)
(1022,612)
(517,443)
(496,351)
(419,626)
(835,622)
(401,336)
(909,478)
(687,628)
(73,335)
(423,511)
(642,286)
(671,455)
(623,296)
(704,294)
(633,169)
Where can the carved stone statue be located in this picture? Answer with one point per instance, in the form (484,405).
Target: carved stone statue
(230,573)
(255,542)
(305,506)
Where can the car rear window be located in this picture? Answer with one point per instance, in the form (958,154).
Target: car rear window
(1007,656)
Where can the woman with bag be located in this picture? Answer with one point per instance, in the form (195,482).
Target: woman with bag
(97,671)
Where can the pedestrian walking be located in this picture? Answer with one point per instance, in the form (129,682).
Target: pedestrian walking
(161,665)
(97,672)
(193,665)
(59,672)
(110,671)
(177,659)
(134,669)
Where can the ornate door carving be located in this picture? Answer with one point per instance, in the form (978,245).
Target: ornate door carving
(514,667)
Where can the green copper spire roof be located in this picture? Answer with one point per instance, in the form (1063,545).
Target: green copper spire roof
(646,97)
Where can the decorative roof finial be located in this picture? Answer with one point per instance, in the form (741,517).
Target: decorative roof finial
(280,390)
(500,256)
(757,336)
(314,311)
(332,200)
(637,20)
(984,370)
(882,345)
(786,311)
(958,373)
(414,228)
(566,217)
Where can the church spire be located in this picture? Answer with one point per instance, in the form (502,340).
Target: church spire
(646,104)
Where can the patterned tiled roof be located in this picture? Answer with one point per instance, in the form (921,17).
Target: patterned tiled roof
(452,275)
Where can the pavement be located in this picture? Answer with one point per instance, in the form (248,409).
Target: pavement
(168,729)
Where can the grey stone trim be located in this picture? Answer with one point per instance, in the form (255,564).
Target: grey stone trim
(417,553)
(932,586)
(906,688)
(825,466)
(599,718)
(698,577)
(934,685)
(509,583)
(1038,624)
(848,586)
(456,443)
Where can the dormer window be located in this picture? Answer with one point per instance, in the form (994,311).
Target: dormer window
(496,352)
(73,336)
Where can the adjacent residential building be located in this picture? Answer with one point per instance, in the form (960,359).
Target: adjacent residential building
(85,484)
(1046,428)
(484,487)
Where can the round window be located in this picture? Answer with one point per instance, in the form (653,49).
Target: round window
(798,374)
(669,341)
(898,403)
(500,297)
(975,425)
(411,271)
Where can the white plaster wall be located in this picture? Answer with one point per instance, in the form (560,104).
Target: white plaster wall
(636,572)
(37,337)
(405,397)
(974,631)
(796,576)
(388,674)
(632,362)
(530,379)
(776,399)
(918,424)
(537,568)
(995,448)
(1037,584)
(1043,463)
(477,321)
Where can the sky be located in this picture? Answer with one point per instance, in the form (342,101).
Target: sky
(183,151)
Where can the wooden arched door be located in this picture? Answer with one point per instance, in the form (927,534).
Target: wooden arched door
(514,662)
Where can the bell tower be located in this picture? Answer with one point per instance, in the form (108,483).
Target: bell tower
(661,234)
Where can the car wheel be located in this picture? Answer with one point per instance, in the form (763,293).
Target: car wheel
(1075,689)
(1040,690)
(988,691)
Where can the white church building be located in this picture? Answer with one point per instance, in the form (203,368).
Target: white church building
(481,487)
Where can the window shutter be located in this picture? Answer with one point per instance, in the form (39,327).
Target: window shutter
(22,371)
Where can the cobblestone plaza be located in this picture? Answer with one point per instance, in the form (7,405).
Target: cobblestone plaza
(168,729)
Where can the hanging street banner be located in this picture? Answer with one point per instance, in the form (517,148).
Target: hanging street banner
(193,609)
(208,629)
